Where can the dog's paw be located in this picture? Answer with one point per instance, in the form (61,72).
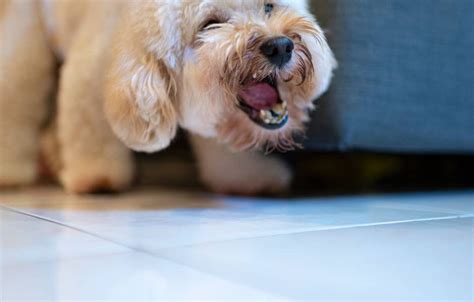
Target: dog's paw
(18,174)
(97,176)
(256,176)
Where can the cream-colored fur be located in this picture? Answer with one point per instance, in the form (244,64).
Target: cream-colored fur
(153,68)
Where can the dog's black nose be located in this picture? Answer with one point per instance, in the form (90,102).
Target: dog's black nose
(278,50)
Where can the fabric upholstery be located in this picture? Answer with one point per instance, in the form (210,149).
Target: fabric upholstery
(406,77)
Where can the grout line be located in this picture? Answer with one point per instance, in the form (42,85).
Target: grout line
(322,229)
(140,250)
(158,253)
(360,225)
(281,233)
(63,225)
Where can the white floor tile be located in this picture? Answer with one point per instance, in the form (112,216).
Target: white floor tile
(400,247)
(431,260)
(24,238)
(151,222)
(120,277)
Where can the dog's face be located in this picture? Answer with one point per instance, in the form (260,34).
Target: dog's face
(243,71)
(251,70)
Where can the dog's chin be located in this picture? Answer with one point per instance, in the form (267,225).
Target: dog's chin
(239,132)
(260,100)
(261,125)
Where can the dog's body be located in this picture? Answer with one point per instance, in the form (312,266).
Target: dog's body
(237,74)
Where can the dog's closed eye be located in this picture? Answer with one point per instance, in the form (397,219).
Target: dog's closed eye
(211,23)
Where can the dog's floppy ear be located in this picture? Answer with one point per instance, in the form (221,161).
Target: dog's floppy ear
(140,91)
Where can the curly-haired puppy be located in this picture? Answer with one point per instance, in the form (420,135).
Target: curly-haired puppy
(239,75)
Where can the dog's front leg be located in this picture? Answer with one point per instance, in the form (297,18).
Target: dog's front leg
(92,157)
(242,173)
(26,79)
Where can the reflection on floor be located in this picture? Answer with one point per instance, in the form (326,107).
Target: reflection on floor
(157,244)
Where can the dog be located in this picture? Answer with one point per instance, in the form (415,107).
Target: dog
(239,75)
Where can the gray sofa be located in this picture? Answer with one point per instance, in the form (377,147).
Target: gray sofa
(406,77)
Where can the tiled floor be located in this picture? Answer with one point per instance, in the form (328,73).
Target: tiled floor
(157,244)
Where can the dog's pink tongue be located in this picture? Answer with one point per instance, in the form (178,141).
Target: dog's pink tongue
(259,96)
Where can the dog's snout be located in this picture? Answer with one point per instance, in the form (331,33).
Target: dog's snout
(278,50)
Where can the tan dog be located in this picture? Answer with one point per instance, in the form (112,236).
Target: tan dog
(239,75)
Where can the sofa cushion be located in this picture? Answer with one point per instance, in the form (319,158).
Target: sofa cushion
(406,76)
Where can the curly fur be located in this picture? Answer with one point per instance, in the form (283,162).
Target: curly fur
(134,71)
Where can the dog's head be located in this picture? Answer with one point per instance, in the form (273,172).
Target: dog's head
(243,71)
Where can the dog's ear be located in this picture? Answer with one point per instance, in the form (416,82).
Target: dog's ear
(140,92)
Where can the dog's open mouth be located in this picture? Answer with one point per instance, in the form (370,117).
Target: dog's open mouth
(261,101)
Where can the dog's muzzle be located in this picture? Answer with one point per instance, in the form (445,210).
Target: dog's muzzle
(261,99)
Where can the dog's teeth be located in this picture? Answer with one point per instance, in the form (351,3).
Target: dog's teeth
(254,76)
(275,115)
(279,109)
(266,116)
